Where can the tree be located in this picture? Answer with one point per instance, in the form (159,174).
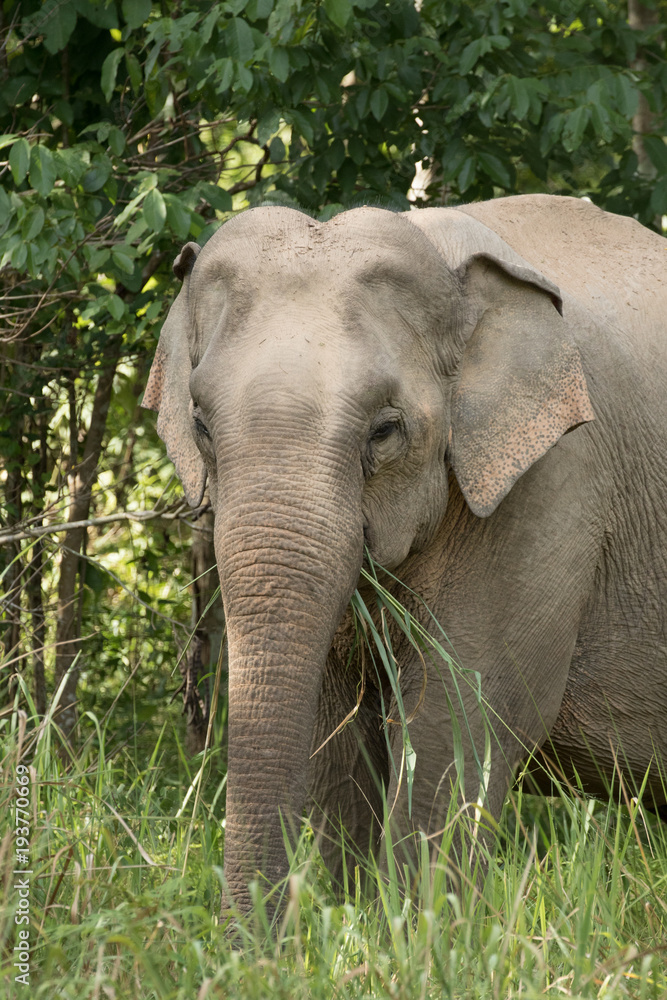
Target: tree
(132,127)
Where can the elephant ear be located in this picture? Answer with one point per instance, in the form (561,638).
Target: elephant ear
(520,385)
(168,388)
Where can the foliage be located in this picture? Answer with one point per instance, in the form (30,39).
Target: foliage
(132,127)
(573,904)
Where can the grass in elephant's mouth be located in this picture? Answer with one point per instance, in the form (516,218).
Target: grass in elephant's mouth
(378,629)
(574,902)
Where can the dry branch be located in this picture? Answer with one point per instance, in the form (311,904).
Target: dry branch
(182,513)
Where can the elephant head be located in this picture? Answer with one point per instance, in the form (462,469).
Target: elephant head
(326,377)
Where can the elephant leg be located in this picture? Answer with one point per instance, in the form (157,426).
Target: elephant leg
(441,803)
(348,773)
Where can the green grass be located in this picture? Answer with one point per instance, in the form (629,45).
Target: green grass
(573,903)
(126,846)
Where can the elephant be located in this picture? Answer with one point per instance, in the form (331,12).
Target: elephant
(475,399)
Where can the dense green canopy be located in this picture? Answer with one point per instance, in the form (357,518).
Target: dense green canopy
(132,127)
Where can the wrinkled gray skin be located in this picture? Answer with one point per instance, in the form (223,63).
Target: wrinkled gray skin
(408,382)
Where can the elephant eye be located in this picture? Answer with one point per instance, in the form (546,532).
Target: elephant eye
(389,427)
(384,431)
(202,428)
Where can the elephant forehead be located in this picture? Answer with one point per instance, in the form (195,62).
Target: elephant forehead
(287,243)
(364,266)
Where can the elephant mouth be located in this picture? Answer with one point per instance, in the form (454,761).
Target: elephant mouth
(367,542)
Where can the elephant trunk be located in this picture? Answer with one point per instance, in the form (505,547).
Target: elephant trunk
(288,561)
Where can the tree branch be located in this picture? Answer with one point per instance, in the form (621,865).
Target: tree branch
(181,514)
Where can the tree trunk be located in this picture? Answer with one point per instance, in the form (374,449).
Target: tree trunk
(642,18)
(34,582)
(199,664)
(124,474)
(38,627)
(81,478)
(13,565)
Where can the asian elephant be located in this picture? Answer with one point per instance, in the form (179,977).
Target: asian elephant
(478,397)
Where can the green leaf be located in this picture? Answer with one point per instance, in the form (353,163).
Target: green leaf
(277,150)
(600,121)
(115,305)
(18,89)
(58,21)
(136,12)
(495,169)
(155,210)
(258,9)
(208,24)
(72,164)
(410,764)
(356,149)
(102,15)
(224,81)
(268,125)
(467,174)
(303,121)
(64,110)
(279,18)
(134,70)
(7,140)
(551,134)
(42,170)
(574,128)
(19,160)
(362,102)
(97,256)
(5,206)
(379,103)
(519,95)
(658,203)
(627,95)
(244,77)
(338,11)
(154,309)
(109,72)
(96,177)
(179,216)
(336,154)
(19,255)
(347,175)
(469,56)
(122,258)
(399,94)
(33,223)
(117,141)
(136,230)
(240,42)
(657,151)
(217,197)
(279,63)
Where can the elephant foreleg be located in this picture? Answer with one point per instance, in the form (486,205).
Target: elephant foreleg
(349,771)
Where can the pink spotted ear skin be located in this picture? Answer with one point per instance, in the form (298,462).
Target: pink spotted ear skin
(486,473)
(168,386)
(153,393)
(521,383)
